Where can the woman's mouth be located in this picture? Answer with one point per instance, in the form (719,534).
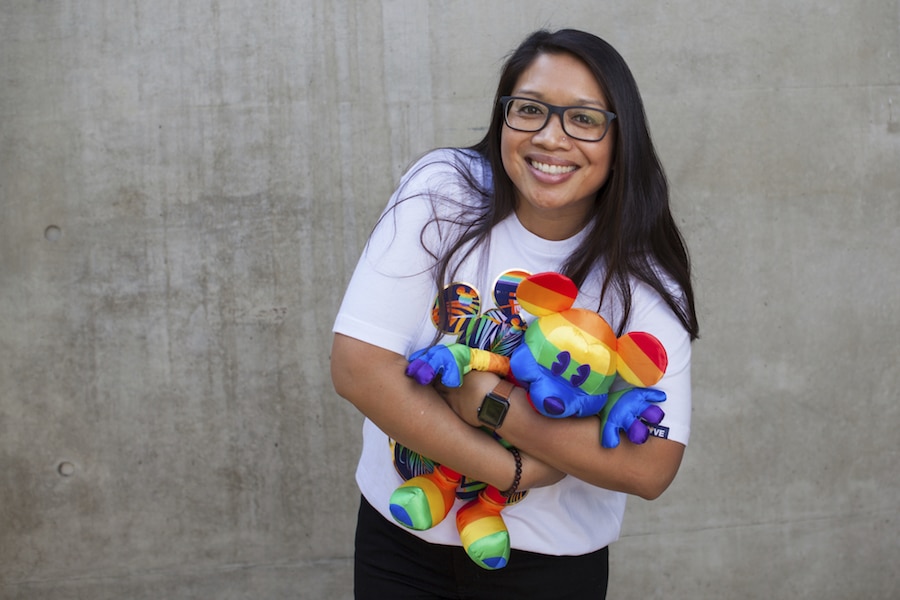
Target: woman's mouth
(552,169)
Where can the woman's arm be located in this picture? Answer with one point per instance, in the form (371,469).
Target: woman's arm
(373,379)
(573,445)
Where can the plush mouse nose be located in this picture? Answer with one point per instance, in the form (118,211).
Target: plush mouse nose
(553,406)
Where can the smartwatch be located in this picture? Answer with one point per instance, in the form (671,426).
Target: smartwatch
(496,404)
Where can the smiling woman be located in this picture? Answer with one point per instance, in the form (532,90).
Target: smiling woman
(566,180)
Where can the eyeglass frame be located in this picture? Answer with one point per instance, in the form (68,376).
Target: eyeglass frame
(553,109)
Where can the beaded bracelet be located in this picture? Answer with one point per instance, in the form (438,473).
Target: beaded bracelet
(515,484)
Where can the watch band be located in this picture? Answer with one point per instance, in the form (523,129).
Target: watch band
(504,389)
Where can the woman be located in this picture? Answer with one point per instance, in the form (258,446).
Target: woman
(566,179)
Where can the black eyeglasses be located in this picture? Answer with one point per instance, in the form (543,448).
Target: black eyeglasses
(579,122)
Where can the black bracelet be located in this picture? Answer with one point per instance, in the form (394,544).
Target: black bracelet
(515,484)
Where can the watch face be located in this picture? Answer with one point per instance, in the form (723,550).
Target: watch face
(492,410)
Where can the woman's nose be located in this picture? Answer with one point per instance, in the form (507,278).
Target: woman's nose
(552,134)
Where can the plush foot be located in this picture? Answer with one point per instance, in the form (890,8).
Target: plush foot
(424,501)
(482,530)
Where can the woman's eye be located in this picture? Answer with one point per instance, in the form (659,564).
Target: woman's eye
(586,119)
(530,110)
(561,364)
(581,375)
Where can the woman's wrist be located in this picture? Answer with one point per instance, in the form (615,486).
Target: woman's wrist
(517,478)
(466,400)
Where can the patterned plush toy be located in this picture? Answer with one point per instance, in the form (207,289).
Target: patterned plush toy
(567,363)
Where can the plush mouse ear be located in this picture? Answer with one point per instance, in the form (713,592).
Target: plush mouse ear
(546,293)
(462,304)
(642,358)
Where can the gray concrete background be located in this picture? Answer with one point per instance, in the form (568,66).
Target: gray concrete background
(185,188)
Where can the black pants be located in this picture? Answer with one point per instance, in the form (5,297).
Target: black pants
(393,563)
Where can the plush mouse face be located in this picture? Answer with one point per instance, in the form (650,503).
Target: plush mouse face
(576,345)
(571,356)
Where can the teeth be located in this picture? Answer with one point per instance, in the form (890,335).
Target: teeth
(551,169)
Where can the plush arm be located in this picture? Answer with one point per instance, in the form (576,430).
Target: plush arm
(448,364)
(631,411)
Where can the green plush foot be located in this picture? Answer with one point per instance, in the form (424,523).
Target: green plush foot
(483,533)
(424,501)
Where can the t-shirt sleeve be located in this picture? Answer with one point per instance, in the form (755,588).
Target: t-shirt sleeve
(389,296)
(652,315)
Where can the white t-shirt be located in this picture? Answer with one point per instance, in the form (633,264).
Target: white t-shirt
(388,304)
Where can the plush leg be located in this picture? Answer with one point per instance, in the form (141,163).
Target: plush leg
(482,530)
(424,501)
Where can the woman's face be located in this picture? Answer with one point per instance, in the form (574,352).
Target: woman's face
(556,177)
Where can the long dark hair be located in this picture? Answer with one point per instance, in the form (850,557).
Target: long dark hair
(632,231)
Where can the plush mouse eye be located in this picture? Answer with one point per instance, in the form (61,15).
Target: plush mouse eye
(562,363)
(581,375)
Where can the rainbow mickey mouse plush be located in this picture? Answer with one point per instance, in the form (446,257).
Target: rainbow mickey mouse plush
(567,362)
(570,359)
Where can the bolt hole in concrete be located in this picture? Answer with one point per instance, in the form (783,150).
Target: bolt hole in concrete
(66,469)
(52,233)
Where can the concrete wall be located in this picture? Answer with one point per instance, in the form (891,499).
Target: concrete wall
(185,187)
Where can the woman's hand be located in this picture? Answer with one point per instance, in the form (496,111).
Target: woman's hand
(466,399)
